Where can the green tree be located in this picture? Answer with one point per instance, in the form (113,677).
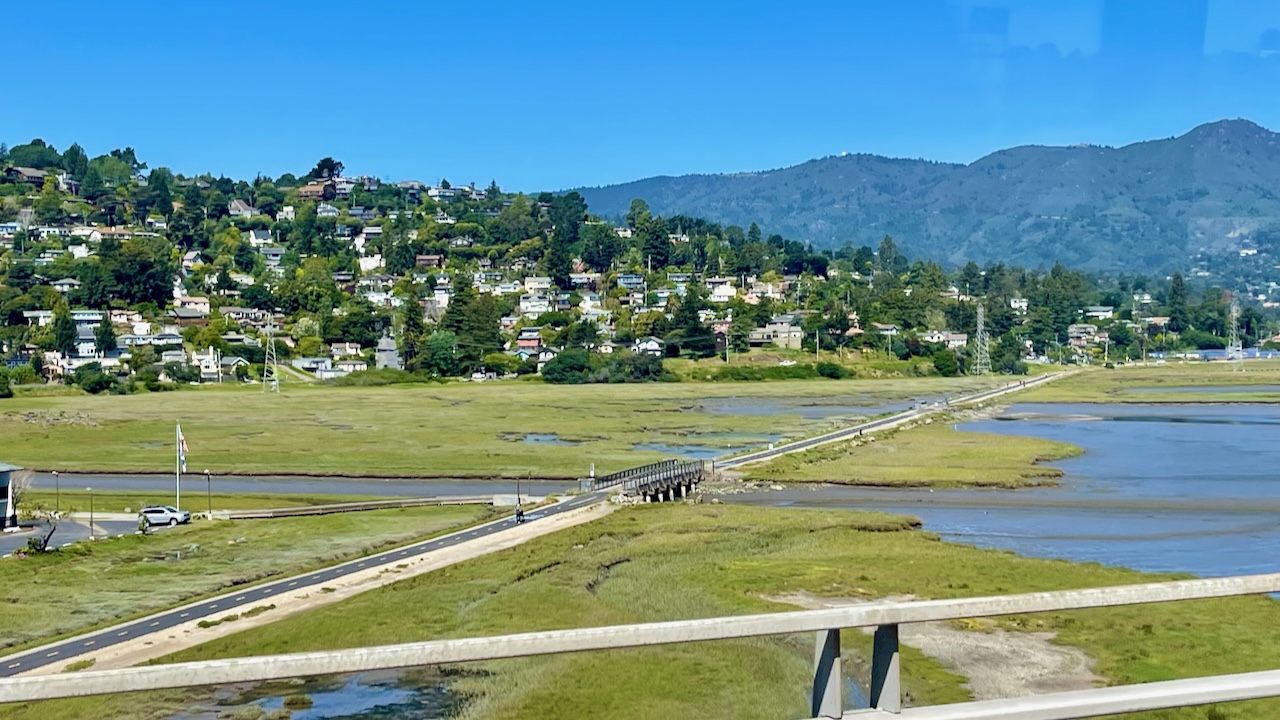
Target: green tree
(411,332)
(144,270)
(326,168)
(655,246)
(5,390)
(570,367)
(35,154)
(1179,318)
(440,354)
(600,246)
(566,213)
(64,332)
(638,214)
(75,161)
(105,336)
(944,361)
(49,206)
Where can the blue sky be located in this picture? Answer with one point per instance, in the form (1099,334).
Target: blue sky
(556,94)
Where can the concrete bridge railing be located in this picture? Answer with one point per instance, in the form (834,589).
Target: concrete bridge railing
(885,617)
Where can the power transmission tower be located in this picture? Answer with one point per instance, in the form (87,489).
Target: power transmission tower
(270,373)
(1235,348)
(981,353)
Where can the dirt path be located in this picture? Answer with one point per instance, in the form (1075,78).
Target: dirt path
(149,647)
(996,663)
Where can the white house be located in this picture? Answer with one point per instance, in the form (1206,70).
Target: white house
(649,346)
(723,293)
(66,285)
(534,305)
(537,284)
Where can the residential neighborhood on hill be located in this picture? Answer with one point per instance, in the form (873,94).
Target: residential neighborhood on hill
(118,277)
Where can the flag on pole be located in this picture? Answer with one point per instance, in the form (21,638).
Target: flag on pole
(182,449)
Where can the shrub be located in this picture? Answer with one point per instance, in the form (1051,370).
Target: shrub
(831,370)
(944,361)
(570,367)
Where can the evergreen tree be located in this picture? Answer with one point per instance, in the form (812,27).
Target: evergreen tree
(638,214)
(105,336)
(1179,318)
(655,247)
(75,161)
(64,332)
(411,332)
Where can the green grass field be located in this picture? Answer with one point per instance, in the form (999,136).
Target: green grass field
(935,455)
(77,500)
(56,594)
(1161,383)
(637,565)
(453,430)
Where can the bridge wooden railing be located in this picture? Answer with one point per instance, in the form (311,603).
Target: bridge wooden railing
(885,617)
(653,477)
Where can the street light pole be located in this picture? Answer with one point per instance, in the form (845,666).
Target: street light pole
(208,480)
(90,491)
(57,493)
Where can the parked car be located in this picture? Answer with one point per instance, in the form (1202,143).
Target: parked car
(164,515)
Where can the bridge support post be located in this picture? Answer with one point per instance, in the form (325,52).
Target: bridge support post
(827,702)
(886,683)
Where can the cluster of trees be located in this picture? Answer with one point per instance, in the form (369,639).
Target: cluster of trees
(576,366)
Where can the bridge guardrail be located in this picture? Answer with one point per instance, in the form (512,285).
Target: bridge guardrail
(827,623)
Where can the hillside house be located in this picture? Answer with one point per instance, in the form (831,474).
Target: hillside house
(529,338)
(66,285)
(240,209)
(649,346)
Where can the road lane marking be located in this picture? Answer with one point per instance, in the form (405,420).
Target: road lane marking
(213,606)
(157,622)
(14,665)
(51,654)
(238,599)
(122,633)
(89,642)
(184,614)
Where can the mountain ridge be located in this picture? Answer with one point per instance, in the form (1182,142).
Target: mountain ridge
(1149,203)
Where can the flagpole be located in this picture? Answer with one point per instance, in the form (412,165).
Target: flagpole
(177,468)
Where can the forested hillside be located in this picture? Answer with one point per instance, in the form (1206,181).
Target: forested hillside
(1148,205)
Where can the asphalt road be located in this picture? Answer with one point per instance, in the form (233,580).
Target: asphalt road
(248,597)
(69,531)
(855,430)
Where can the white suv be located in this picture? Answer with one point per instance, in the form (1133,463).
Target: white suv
(164,515)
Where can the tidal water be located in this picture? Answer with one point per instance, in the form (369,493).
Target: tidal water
(1183,488)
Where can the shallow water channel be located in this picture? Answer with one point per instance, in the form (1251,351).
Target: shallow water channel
(1160,487)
